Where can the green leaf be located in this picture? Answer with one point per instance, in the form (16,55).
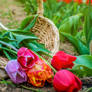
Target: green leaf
(21,37)
(7,83)
(8,45)
(30,25)
(37,47)
(81,70)
(20,31)
(8,35)
(83,66)
(88,28)
(81,47)
(85,60)
(7,55)
(9,50)
(26,21)
(71,24)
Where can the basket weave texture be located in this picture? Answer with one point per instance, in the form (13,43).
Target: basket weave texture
(3,63)
(46,30)
(47,33)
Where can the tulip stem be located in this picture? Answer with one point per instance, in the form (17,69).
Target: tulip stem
(47,63)
(33,89)
(5,28)
(89,89)
(2,26)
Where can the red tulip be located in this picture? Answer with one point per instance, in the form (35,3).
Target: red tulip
(66,1)
(44,0)
(78,1)
(87,2)
(62,60)
(66,81)
(26,58)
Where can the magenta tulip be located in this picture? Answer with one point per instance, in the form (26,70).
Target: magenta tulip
(26,58)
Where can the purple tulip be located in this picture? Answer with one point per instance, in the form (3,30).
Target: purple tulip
(15,72)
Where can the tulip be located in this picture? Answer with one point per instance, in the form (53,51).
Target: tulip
(44,0)
(66,81)
(40,73)
(87,2)
(66,1)
(26,58)
(15,72)
(78,1)
(62,60)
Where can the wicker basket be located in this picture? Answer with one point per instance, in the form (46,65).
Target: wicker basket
(3,62)
(46,30)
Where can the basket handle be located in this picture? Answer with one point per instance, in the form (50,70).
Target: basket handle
(40,7)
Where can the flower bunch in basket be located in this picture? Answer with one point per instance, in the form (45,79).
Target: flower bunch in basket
(32,68)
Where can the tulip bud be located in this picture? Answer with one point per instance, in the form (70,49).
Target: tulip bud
(66,81)
(14,71)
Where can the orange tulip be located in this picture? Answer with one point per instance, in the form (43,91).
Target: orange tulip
(40,73)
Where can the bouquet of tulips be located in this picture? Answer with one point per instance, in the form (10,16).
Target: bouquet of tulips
(30,68)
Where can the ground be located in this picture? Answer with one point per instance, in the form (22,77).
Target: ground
(11,14)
